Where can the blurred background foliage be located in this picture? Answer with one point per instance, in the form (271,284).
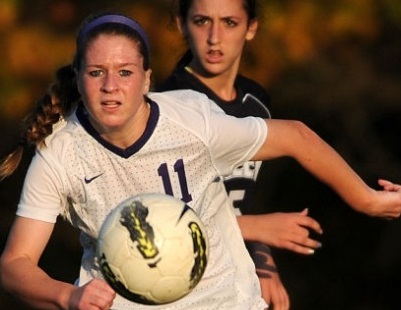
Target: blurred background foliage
(336,65)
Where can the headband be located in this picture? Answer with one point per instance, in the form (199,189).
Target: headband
(118,19)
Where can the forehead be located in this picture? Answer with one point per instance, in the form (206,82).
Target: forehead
(220,7)
(105,47)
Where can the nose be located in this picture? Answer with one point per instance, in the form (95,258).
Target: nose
(214,34)
(109,84)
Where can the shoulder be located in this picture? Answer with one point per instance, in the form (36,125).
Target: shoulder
(251,86)
(178,79)
(185,102)
(180,98)
(64,132)
(248,83)
(187,109)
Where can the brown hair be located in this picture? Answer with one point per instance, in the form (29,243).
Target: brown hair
(62,96)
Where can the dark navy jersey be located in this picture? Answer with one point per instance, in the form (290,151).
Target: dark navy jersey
(251,100)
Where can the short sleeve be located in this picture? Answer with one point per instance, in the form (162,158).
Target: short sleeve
(233,140)
(41,197)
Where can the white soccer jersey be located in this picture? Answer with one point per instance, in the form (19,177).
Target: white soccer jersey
(187,145)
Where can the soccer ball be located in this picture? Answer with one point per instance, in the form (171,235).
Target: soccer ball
(152,249)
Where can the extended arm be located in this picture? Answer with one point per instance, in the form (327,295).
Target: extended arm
(21,276)
(294,139)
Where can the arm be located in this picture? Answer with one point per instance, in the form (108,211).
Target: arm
(283,230)
(294,139)
(21,276)
(273,290)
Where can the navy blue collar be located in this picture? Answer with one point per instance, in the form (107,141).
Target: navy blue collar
(82,116)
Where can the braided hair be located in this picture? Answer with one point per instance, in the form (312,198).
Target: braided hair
(62,97)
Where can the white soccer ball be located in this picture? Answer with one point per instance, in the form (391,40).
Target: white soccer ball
(152,249)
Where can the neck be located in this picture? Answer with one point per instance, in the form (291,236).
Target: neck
(129,133)
(221,84)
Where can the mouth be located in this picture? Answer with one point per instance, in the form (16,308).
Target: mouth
(215,52)
(110,104)
(214,56)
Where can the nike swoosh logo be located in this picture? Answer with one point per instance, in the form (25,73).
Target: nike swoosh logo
(87,181)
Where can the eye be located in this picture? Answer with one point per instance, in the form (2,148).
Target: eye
(95,73)
(231,23)
(125,73)
(199,21)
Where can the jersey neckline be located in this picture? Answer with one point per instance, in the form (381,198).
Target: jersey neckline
(82,116)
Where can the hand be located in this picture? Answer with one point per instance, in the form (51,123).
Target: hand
(96,295)
(274,293)
(386,203)
(273,290)
(287,231)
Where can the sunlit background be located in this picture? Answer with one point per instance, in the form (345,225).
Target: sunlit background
(336,65)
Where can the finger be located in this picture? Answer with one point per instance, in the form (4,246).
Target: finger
(310,223)
(266,296)
(302,249)
(284,301)
(300,237)
(103,295)
(304,211)
(391,216)
(392,213)
(309,243)
(389,186)
(302,240)
(383,182)
(280,300)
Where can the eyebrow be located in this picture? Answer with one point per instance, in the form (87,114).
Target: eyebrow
(125,64)
(233,17)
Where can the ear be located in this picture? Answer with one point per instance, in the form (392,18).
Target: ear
(147,84)
(252,29)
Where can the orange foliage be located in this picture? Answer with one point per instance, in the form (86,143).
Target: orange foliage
(293,32)
(36,52)
(17,104)
(8,14)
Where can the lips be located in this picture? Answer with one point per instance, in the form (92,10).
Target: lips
(111,104)
(214,56)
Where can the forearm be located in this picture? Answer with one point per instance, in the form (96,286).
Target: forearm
(33,286)
(294,139)
(248,226)
(327,165)
(262,258)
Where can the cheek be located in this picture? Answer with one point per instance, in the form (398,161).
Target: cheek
(237,43)
(87,87)
(196,37)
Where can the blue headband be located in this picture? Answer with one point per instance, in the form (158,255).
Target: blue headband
(119,19)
